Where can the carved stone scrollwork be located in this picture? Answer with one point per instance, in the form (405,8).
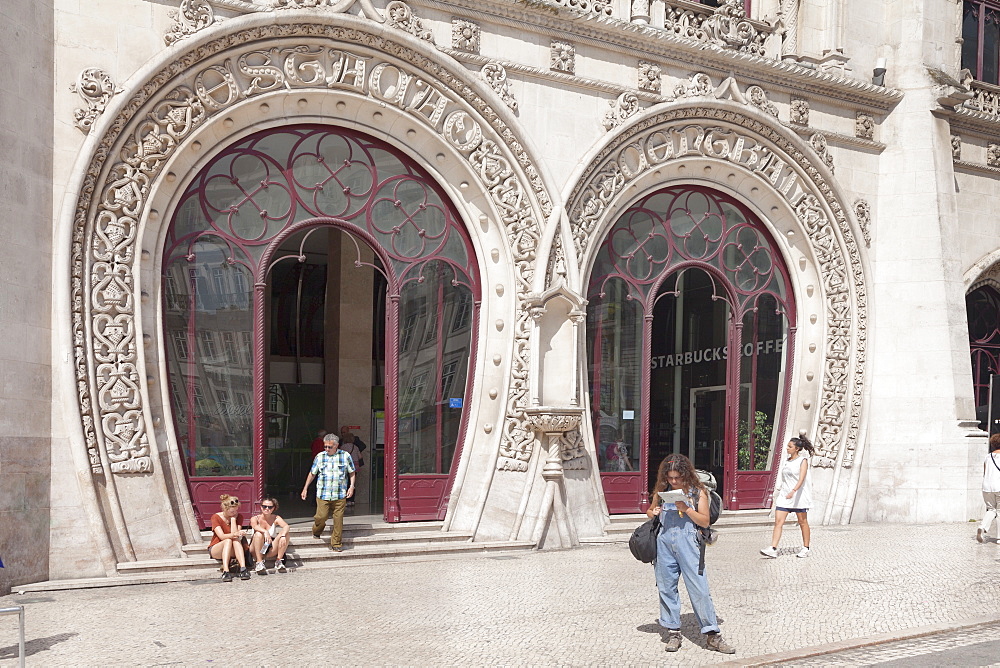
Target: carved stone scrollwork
(758,98)
(863,212)
(622,108)
(465,36)
(698,85)
(335,6)
(993,155)
(818,142)
(96,88)
(956,147)
(649,76)
(725,27)
(400,16)
(799,111)
(597,7)
(192,16)
(864,126)
(496,76)
(562,57)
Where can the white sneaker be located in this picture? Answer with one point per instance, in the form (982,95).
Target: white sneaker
(279,565)
(803,553)
(769,552)
(259,568)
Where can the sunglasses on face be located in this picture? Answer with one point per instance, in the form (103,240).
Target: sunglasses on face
(266,506)
(329,447)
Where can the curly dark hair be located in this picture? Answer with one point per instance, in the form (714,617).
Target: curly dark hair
(681,464)
(994,442)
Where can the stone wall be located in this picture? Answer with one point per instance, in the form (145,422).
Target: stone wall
(26,92)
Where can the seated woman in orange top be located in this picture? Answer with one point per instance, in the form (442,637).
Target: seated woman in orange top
(227,538)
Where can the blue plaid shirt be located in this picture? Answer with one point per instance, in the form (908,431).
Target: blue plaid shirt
(332,475)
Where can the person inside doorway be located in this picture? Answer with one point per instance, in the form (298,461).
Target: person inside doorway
(331,469)
(349,444)
(348,436)
(270,536)
(317,443)
(227,538)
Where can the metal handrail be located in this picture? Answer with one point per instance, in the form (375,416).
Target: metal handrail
(19,610)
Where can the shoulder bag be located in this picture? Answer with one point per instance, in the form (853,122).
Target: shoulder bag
(643,540)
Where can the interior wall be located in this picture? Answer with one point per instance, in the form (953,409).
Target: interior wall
(26,111)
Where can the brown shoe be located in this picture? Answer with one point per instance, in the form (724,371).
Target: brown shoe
(673,641)
(979,535)
(714,642)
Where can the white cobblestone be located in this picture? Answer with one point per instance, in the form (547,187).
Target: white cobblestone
(589,606)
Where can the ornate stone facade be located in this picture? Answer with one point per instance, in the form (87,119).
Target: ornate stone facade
(465,35)
(96,88)
(562,57)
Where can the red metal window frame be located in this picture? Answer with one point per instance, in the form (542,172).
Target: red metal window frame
(402,256)
(625,492)
(981,10)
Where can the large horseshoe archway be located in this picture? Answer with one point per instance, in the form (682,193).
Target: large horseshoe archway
(738,150)
(228,81)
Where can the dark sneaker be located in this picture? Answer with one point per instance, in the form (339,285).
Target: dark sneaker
(714,642)
(338,548)
(244,574)
(979,535)
(227,577)
(673,641)
(316,536)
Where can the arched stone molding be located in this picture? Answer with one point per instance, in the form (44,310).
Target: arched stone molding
(740,151)
(986,271)
(222,84)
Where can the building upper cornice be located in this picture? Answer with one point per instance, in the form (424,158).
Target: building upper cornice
(595,27)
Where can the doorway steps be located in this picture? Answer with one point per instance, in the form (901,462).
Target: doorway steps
(620,527)
(364,542)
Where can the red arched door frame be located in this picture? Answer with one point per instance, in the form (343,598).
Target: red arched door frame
(406,246)
(641,251)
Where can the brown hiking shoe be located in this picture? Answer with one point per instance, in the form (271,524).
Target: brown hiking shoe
(714,642)
(673,641)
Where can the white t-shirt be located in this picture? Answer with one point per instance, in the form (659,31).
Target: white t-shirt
(991,480)
(788,477)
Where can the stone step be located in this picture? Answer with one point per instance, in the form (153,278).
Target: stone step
(304,539)
(203,568)
(622,526)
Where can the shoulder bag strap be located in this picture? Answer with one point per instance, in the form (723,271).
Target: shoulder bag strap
(994,458)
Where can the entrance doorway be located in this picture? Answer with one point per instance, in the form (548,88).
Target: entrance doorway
(314,277)
(690,327)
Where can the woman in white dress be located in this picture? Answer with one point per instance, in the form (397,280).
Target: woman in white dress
(794,494)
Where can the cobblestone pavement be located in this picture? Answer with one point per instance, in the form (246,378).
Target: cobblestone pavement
(590,606)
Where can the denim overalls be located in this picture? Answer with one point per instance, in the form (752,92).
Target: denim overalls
(677,552)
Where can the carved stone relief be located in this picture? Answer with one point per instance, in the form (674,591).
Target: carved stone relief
(679,134)
(496,76)
(465,36)
(956,147)
(864,126)
(189,18)
(96,88)
(172,104)
(758,98)
(863,212)
(799,111)
(598,7)
(993,155)
(700,85)
(399,15)
(624,107)
(649,76)
(562,57)
(697,85)
(818,142)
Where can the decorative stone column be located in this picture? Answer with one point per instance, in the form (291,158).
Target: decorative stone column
(554,526)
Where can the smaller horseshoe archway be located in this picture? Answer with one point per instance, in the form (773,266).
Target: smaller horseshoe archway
(691,324)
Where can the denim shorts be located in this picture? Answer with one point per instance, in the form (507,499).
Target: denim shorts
(792,510)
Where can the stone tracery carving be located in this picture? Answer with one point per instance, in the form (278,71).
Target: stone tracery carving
(337,6)
(758,98)
(562,57)
(154,123)
(189,18)
(496,76)
(465,36)
(622,108)
(697,85)
(598,7)
(818,142)
(400,16)
(96,88)
(993,155)
(666,137)
(863,212)
(649,76)
(725,26)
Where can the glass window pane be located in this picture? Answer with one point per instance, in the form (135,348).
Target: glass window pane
(970,38)
(211,387)
(762,381)
(433,369)
(991,46)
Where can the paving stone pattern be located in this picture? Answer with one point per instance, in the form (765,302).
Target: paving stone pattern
(589,606)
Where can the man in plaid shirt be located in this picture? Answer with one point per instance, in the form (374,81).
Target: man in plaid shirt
(331,469)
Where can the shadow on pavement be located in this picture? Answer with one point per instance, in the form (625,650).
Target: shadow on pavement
(32,647)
